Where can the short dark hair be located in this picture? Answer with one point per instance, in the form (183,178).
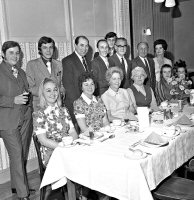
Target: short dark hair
(84,77)
(121,38)
(110,35)
(162,42)
(80,36)
(10,44)
(45,40)
(101,40)
(180,64)
(165,66)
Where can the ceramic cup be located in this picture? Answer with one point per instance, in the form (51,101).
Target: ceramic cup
(116,122)
(67,140)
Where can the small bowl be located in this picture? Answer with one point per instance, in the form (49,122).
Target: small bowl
(116,122)
(67,140)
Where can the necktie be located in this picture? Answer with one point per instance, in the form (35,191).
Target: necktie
(48,64)
(123,65)
(84,63)
(147,68)
(106,63)
(14,71)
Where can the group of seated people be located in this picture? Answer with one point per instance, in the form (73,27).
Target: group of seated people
(52,121)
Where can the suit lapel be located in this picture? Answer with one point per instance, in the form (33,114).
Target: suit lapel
(43,68)
(8,72)
(102,64)
(78,63)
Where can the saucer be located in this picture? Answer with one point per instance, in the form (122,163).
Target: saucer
(135,157)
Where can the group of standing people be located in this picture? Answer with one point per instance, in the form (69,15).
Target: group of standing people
(94,93)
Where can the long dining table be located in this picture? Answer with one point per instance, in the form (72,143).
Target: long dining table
(107,168)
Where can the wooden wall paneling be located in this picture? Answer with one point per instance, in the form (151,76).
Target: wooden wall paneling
(142,13)
(163,27)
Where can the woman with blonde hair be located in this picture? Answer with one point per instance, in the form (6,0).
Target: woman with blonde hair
(51,121)
(141,95)
(117,100)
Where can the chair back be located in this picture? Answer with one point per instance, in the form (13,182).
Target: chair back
(40,163)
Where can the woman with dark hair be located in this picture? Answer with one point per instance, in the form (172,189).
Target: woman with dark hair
(181,70)
(160,46)
(90,112)
(163,87)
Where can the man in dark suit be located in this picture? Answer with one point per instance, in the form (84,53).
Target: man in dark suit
(99,66)
(110,38)
(44,67)
(15,116)
(147,63)
(119,59)
(73,66)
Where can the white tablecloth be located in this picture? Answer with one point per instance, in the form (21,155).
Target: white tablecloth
(103,166)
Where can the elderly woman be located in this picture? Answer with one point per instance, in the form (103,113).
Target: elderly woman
(116,99)
(51,121)
(163,87)
(141,95)
(89,111)
(160,46)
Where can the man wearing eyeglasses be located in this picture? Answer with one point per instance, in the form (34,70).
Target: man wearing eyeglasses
(119,59)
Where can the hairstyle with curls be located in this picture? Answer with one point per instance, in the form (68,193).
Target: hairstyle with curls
(136,70)
(162,42)
(110,35)
(43,103)
(80,36)
(165,66)
(110,71)
(44,40)
(101,40)
(9,44)
(142,43)
(180,64)
(84,77)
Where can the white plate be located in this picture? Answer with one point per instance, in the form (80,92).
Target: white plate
(152,145)
(134,157)
(70,145)
(96,135)
(170,135)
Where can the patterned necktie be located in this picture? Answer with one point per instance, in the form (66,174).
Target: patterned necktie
(123,65)
(14,71)
(48,64)
(147,68)
(84,64)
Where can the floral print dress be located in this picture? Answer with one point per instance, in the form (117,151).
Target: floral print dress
(53,121)
(92,110)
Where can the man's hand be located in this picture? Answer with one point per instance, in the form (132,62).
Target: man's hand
(21,99)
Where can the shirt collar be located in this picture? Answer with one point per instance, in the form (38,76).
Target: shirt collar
(113,93)
(45,61)
(87,100)
(143,59)
(139,88)
(120,57)
(105,59)
(80,57)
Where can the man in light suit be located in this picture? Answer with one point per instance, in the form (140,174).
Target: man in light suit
(73,66)
(15,116)
(146,63)
(44,67)
(119,59)
(99,66)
